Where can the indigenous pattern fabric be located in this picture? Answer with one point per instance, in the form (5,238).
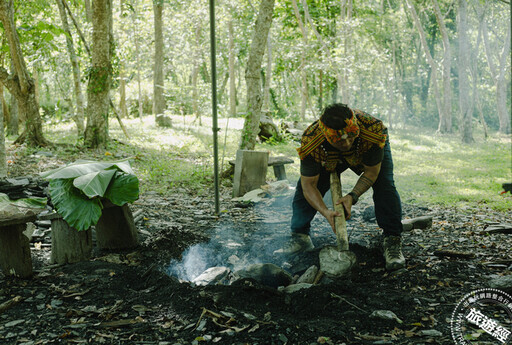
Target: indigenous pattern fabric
(371,132)
(333,135)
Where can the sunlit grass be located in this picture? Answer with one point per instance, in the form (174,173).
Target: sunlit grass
(429,168)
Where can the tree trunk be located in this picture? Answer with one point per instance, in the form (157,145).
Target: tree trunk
(498,74)
(13,127)
(122,94)
(79,114)
(20,84)
(303,75)
(88,10)
(465,102)
(346,32)
(445,121)
(232,77)
(158,72)
(98,101)
(138,67)
(4,108)
(268,76)
(3,156)
(430,59)
(475,73)
(252,75)
(195,74)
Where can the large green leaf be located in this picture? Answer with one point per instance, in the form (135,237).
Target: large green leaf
(77,210)
(34,202)
(84,167)
(123,189)
(95,183)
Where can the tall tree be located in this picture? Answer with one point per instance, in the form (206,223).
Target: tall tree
(465,102)
(428,55)
(3,157)
(231,66)
(445,120)
(158,72)
(303,59)
(253,75)
(20,84)
(79,99)
(500,77)
(100,75)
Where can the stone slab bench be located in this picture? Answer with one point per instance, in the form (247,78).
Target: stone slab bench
(15,258)
(278,163)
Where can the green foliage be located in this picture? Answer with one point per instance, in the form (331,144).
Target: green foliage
(34,202)
(76,189)
(77,210)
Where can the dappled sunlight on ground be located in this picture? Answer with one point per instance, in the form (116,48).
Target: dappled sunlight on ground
(429,167)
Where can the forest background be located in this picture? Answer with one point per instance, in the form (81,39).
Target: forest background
(437,73)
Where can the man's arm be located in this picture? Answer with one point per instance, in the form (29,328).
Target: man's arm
(366,180)
(314,198)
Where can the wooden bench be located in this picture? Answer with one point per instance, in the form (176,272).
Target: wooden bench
(278,164)
(15,259)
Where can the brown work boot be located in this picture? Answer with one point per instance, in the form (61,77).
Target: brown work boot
(298,243)
(393,253)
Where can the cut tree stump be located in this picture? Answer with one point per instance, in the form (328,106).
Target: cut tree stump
(250,171)
(115,228)
(68,244)
(15,259)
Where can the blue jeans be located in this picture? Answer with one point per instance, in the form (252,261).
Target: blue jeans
(388,207)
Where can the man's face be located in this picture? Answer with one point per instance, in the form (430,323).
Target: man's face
(344,144)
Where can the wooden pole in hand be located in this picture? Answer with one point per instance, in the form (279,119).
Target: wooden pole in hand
(340,223)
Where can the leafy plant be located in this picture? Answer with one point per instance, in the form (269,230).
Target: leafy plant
(77,189)
(34,202)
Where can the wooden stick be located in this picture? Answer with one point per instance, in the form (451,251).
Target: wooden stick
(318,277)
(340,223)
(10,303)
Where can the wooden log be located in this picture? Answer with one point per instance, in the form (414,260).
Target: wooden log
(15,259)
(339,222)
(116,229)
(250,171)
(10,303)
(68,244)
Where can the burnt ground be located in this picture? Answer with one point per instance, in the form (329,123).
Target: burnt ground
(129,297)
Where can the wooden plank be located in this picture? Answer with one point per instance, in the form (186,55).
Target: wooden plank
(279,160)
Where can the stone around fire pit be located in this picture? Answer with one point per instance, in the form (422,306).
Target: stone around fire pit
(266,274)
(213,275)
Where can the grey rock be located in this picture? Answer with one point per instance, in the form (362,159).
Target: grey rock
(501,283)
(430,333)
(212,276)
(423,222)
(266,274)
(295,287)
(308,276)
(384,315)
(335,263)
(14,323)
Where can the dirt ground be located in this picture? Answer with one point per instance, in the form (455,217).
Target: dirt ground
(129,297)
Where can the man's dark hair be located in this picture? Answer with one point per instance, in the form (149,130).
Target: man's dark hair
(334,115)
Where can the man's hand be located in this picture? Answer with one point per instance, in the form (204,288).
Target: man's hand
(346,201)
(330,215)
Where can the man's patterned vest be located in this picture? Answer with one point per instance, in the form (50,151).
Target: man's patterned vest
(371,133)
